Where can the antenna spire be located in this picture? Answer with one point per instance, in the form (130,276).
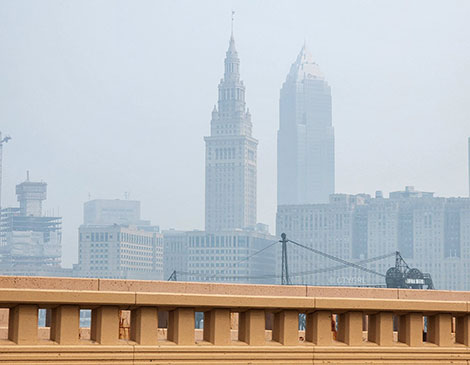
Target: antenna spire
(233,18)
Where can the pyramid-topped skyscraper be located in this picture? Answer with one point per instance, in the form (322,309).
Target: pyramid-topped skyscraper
(231,150)
(306,152)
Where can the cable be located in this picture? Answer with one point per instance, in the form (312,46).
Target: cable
(337,259)
(338,267)
(269,276)
(344,264)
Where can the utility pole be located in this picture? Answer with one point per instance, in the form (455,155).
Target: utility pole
(285,280)
(2,141)
(173,276)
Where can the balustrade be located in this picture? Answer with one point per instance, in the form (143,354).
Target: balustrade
(336,329)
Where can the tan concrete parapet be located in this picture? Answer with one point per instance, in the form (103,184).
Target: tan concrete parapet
(105,325)
(23,324)
(318,329)
(440,329)
(349,292)
(181,326)
(252,327)
(223,301)
(37,282)
(380,329)
(445,295)
(65,328)
(201,288)
(144,325)
(50,297)
(410,329)
(360,339)
(350,328)
(375,305)
(462,330)
(286,327)
(217,326)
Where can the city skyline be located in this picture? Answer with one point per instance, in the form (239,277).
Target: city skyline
(58,137)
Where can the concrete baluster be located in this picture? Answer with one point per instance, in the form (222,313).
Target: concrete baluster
(144,325)
(251,327)
(286,327)
(380,328)
(217,326)
(350,328)
(410,329)
(318,328)
(23,324)
(440,329)
(181,326)
(105,325)
(65,324)
(462,330)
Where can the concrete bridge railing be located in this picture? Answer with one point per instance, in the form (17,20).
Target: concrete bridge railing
(242,323)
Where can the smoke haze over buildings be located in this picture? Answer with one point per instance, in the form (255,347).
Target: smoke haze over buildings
(103,98)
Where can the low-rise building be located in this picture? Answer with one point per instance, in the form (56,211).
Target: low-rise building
(119,252)
(233,256)
(115,243)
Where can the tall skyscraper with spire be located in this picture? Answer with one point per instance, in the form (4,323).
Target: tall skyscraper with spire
(231,166)
(306,152)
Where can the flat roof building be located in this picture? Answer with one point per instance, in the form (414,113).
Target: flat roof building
(119,252)
(112,211)
(115,243)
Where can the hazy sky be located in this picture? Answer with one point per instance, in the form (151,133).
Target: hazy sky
(104,97)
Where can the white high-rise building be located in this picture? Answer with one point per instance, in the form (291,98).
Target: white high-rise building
(234,247)
(306,152)
(231,155)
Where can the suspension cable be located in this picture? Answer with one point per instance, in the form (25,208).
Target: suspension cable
(337,259)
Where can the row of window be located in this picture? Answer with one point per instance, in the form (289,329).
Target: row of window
(106,237)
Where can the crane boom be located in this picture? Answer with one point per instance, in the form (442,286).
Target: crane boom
(2,141)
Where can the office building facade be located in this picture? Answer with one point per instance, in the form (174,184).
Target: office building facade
(306,150)
(431,233)
(115,243)
(119,252)
(231,155)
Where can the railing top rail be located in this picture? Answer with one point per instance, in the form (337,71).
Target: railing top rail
(160,287)
(87,298)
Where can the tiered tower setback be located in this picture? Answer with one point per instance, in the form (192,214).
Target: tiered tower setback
(231,150)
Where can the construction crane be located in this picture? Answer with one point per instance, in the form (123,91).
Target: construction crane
(2,141)
(403,277)
(398,276)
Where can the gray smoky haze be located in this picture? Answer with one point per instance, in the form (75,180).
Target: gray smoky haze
(107,97)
